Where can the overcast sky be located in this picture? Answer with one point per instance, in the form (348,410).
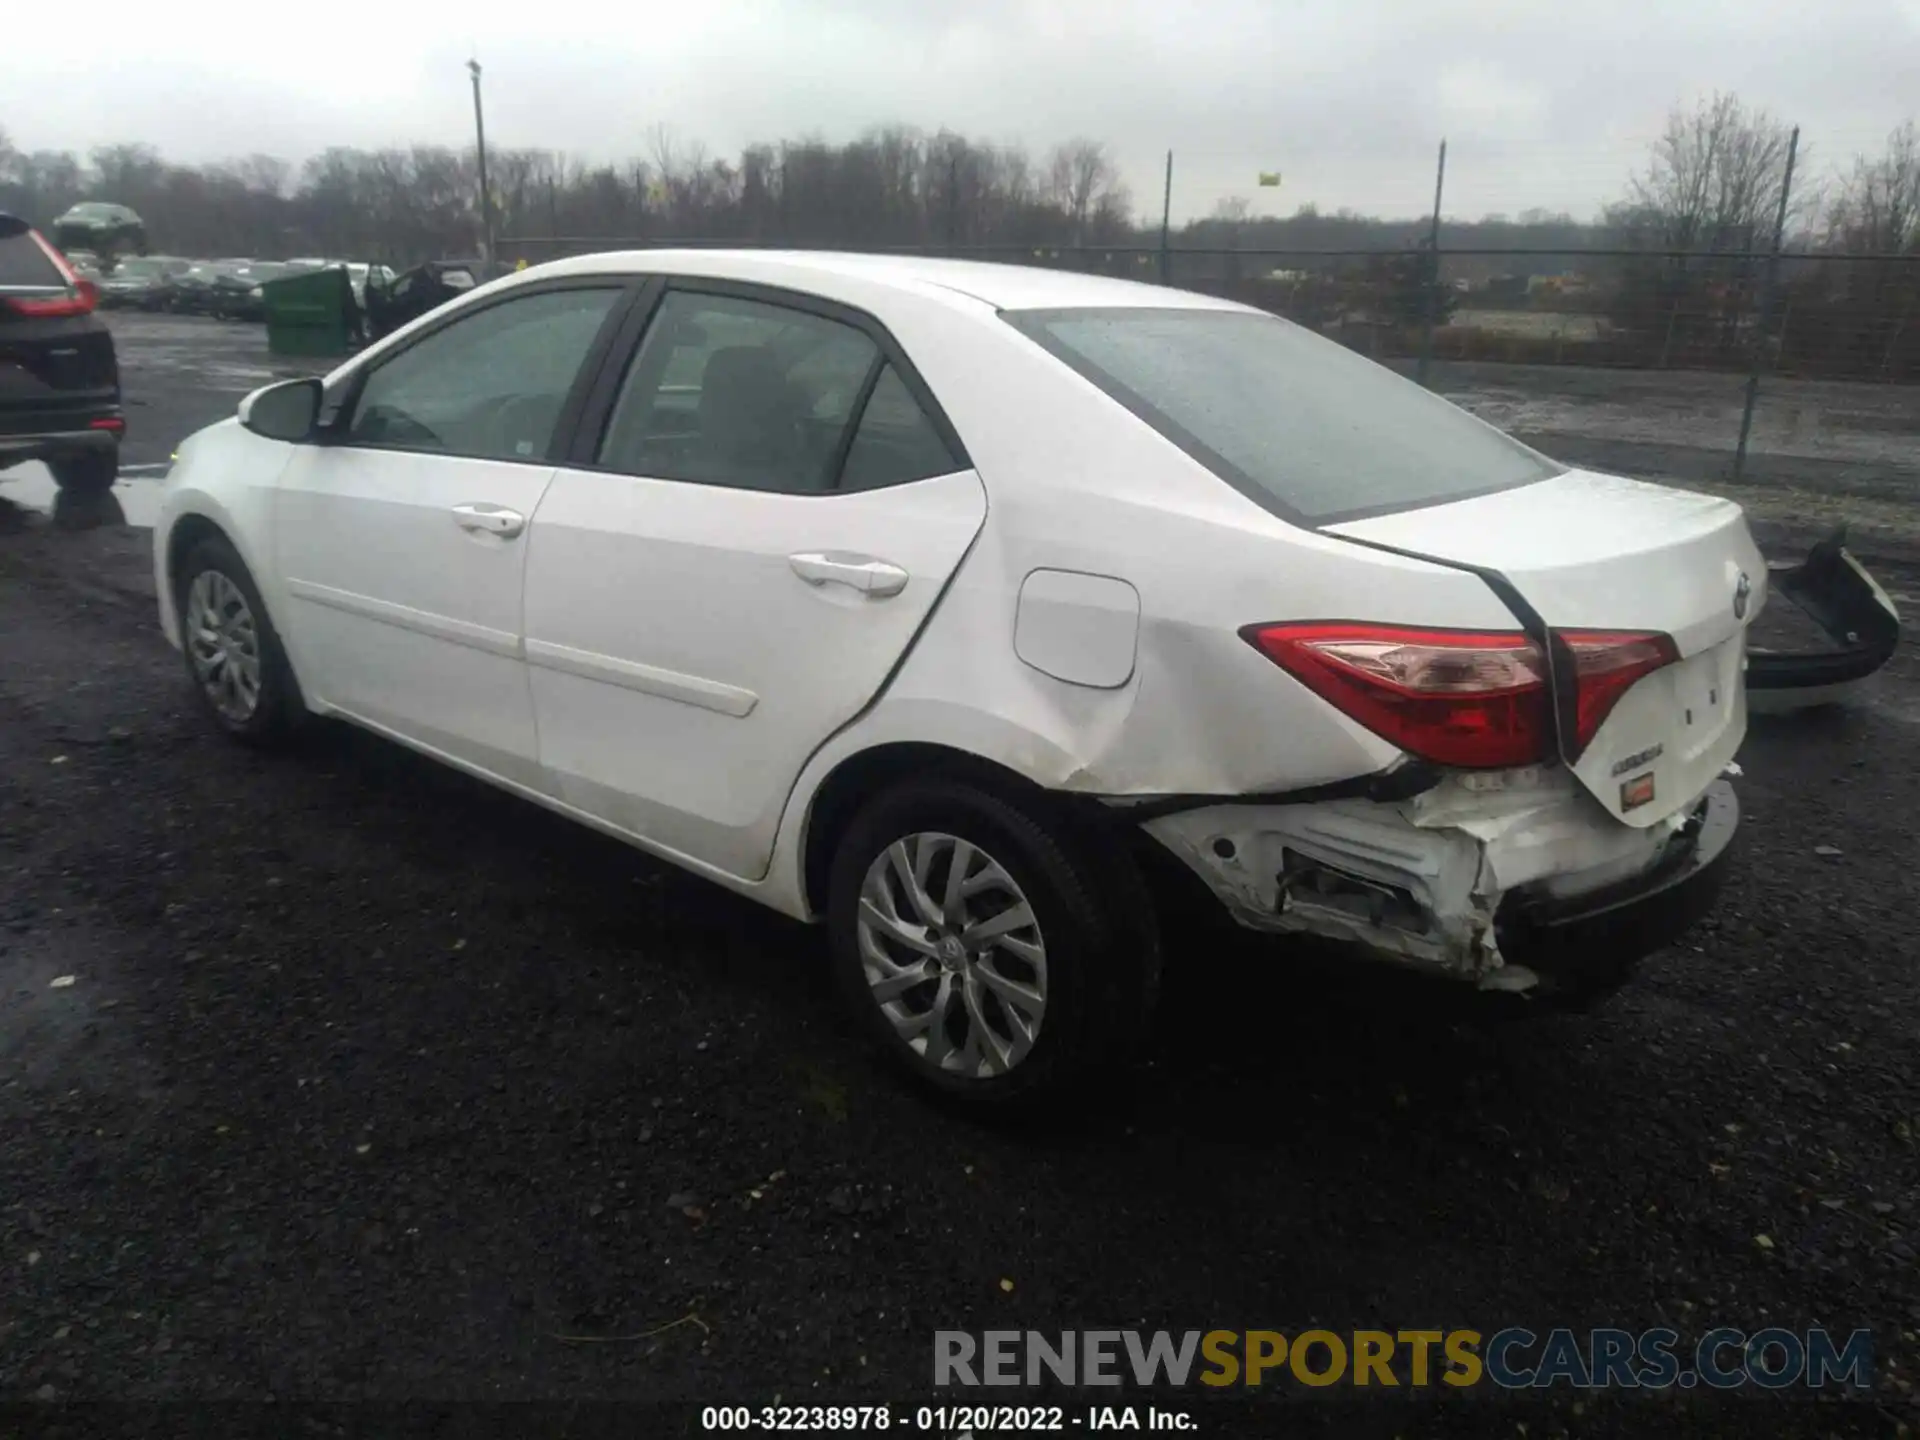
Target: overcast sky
(1543,104)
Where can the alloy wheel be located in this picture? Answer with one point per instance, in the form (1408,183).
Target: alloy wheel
(953,954)
(223,643)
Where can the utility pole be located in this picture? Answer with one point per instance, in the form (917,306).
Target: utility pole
(1166,222)
(480,143)
(1433,271)
(1766,304)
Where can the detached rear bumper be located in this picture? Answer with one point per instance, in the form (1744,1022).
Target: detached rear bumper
(1846,602)
(1588,944)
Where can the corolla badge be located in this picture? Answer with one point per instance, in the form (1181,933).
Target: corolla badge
(1742,592)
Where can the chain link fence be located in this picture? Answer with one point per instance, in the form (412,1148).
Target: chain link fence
(1660,363)
(1832,317)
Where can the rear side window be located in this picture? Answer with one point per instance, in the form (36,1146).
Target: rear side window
(896,442)
(737,392)
(23,263)
(757,395)
(1299,424)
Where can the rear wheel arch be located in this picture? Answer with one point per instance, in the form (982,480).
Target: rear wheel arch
(861,776)
(1089,937)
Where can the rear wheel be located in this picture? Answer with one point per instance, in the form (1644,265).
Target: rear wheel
(91,472)
(996,953)
(234,657)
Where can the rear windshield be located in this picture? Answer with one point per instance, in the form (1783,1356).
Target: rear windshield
(1298,423)
(24,263)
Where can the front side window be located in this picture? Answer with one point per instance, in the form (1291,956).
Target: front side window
(1298,423)
(489,386)
(737,392)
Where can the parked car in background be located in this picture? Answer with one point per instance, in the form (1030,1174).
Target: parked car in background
(361,275)
(220,288)
(59,379)
(936,600)
(395,301)
(227,295)
(105,229)
(193,288)
(238,294)
(142,282)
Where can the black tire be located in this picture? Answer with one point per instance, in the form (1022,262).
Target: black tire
(1100,934)
(89,472)
(279,712)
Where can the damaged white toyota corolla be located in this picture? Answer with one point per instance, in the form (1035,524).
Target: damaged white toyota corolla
(920,596)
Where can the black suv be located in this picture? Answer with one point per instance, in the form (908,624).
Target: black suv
(59,380)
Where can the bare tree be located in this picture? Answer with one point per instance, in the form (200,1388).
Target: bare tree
(1877,207)
(1713,178)
(684,179)
(46,182)
(1712,184)
(1079,173)
(262,174)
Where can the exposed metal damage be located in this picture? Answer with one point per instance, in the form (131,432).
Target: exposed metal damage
(1421,880)
(1428,878)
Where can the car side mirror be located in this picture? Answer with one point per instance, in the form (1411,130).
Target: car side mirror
(287,411)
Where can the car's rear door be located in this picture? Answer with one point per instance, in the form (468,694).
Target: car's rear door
(734,562)
(400,542)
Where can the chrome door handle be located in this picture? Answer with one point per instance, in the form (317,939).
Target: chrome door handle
(490,520)
(869,576)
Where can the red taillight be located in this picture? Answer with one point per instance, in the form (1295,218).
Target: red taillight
(52,306)
(1472,699)
(107,422)
(1478,700)
(1607,664)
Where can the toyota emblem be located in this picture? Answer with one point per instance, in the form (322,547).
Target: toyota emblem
(1742,589)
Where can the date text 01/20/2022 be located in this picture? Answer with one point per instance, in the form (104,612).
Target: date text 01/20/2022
(943,1419)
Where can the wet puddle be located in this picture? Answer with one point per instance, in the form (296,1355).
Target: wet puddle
(133,501)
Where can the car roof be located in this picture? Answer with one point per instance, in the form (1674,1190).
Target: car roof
(1003,286)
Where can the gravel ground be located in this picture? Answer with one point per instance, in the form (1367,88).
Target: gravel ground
(372,1083)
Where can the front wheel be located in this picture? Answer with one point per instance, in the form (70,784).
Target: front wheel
(234,657)
(996,952)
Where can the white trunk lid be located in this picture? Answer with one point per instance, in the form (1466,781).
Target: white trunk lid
(1597,552)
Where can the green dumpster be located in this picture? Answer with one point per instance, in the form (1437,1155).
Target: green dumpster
(310,313)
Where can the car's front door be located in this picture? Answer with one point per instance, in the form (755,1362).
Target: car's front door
(401,538)
(735,565)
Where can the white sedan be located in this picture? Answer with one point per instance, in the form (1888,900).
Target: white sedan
(939,600)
